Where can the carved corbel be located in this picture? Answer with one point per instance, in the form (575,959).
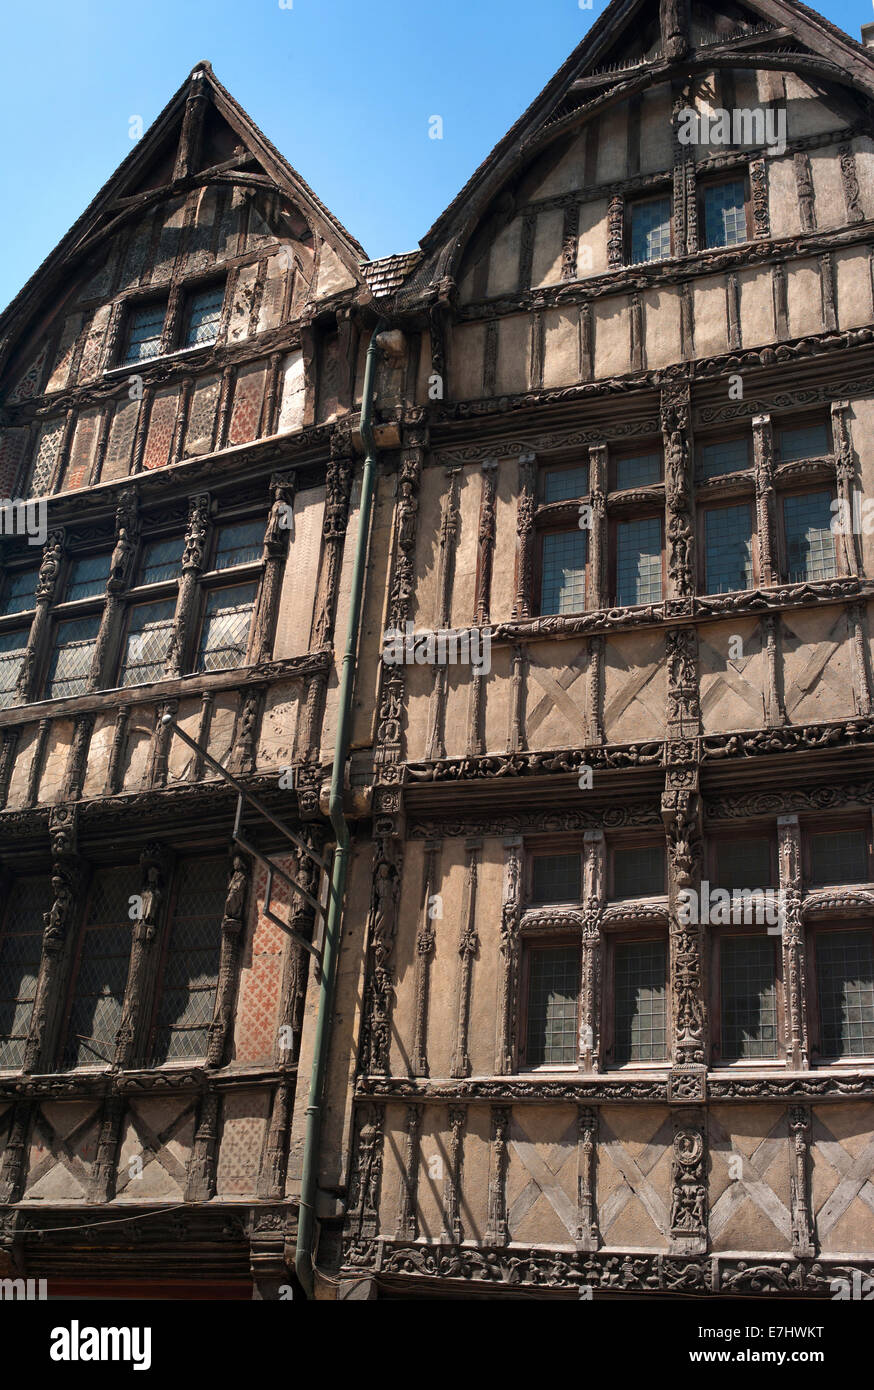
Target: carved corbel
(233,929)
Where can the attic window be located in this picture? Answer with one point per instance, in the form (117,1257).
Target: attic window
(203,312)
(144,333)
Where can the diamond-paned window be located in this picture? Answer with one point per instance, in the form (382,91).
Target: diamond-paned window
(845,972)
(651,230)
(724,217)
(641,1013)
(147,645)
(556,878)
(810,543)
(190,977)
(161,560)
(565,484)
(840,856)
(19,591)
(639,561)
(203,315)
(20,955)
(88,576)
(640,471)
(563,580)
(725,456)
(239,544)
(748,973)
(728,551)
(144,332)
(101,970)
(12,648)
(553,992)
(224,636)
(70,664)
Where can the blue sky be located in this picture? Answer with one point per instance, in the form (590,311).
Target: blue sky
(344,88)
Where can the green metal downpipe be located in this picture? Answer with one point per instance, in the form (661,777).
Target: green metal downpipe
(303,1258)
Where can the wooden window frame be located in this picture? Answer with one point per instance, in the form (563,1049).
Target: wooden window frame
(725,436)
(717,934)
(804,420)
(620,519)
(738,175)
(814,1017)
(801,490)
(836,826)
(546,850)
(131,306)
(530,943)
(622,456)
(558,528)
(623,935)
(711,854)
(666,195)
(653,841)
(747,499)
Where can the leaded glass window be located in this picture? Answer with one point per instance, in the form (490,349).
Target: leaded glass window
(724,216)
(239,544)
(563,580)
(744,864)
(147,646)
(556,878)
(70,666)
(810,544)
(88,576)
(19,591)
(639,872)
(190,977)
(840,856)
(651,230)
(804,442)
(225,633)
(203,316)
(12,649)
(553,991)
(640,471)
(161,560)
(728,549)
(725,456)
(639,561)
(641,1016)
(748,977)
(101,971)
(845,972)
(20,955)
(565,484)
(144,332)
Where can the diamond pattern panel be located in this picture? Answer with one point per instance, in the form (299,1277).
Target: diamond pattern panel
(161,423)
(256,1035)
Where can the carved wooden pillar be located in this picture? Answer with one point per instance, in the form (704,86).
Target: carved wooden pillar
(301,919)
(763,458)
(336,519)
(850,183)
(435,747)
(77,758)
(245,749)
(804,189)
(388,750)
(525,509)
(498,1232)
(486,541)
(689,1182)
(276,540)
(161,739)
(271,1178)
(37,763)
(759,192)
(595,692)
(511,912)
(799,1183)
(684,711)
(46,583)
(181,423)
(681,813)
(407,1223)
(193,558)
(594,892)
(13,1164)
(188,149)
(780,295)
(679,532)
(7,761)
(233,927)
(201,1179)
(468,945)
(857,622)
(362,1221)
(101,1180)
(116,755)
(845,474)
(131,1040)
(598,531)
(516,735)
(792,933)
(776,713)
(453,1231)
(116,584)
(424,955)
(588,1235)
(67,878)
(616,232)
(382,926)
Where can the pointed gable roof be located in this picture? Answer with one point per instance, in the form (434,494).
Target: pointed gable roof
(167,160)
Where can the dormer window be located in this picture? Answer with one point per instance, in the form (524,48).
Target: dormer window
(144,332)
(162,325)
(203,314)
